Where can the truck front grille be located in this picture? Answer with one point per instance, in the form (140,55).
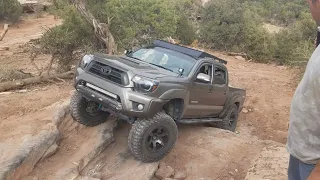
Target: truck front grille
(107,72)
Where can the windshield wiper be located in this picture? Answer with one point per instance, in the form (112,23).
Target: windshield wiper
(151,63)
(161,67)
(134,58)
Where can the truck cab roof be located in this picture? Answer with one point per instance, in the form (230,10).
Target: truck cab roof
(199,55)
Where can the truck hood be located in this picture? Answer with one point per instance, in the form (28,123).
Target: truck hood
(134,66)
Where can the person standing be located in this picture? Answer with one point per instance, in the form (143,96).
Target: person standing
(304,127)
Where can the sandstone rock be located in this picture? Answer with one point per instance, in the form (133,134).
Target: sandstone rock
(18,163)
(118,163)
(180,175)
(271,162)
(61,111)
(164,172)
(5,93)
(100,139)
(51,151)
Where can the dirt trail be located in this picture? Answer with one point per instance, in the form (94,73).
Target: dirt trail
(269,92)
(28,28)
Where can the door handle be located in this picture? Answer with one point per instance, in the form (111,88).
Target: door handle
(210,90)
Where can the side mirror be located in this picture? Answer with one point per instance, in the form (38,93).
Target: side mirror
(203,78)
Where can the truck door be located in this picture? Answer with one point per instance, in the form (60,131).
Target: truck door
(201,102)
(220,88)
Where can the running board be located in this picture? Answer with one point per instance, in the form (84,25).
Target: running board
(197,121)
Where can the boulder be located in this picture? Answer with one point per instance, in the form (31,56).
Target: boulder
(98,141)
(164,172)
(17,163)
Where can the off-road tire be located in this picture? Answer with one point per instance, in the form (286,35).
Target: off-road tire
(78,112)
(225,124)
(139,134)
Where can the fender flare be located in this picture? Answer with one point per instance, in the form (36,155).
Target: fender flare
(177,94)
(235,99)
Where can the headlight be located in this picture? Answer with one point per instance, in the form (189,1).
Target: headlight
(144,85)
(85,61)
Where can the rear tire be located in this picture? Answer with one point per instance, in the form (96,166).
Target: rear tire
(86,112)
(152,139)
(229,120)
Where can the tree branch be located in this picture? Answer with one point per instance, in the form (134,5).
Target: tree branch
(4,32)
(34,80)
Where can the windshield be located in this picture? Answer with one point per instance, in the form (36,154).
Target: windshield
(166,58)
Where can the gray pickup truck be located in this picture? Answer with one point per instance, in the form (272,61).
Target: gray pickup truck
(153,88)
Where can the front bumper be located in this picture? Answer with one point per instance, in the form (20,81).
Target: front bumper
(119,99)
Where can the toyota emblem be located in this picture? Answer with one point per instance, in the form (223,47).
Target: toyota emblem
(106,70)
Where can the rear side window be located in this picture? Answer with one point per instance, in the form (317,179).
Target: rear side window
(220,76)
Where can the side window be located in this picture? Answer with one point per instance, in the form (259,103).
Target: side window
(204,74)
(220,76)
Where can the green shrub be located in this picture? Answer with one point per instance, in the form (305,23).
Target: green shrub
(231,26)
(296,43)
(61,41)
(185,31)
(10,10)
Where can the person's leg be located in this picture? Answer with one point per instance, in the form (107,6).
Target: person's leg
(293,170)
(305,170)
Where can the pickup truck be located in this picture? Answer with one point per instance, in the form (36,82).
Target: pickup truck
(154,88)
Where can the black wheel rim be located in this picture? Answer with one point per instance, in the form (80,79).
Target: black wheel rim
(157,139)
(233,119)
(92,108)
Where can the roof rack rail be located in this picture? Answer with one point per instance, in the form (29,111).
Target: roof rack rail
(189,51)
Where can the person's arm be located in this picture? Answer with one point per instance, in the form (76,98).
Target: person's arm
(315,174)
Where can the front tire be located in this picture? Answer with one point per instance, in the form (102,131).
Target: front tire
(86,112)
(150,140)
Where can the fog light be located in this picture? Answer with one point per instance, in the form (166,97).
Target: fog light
(140,107)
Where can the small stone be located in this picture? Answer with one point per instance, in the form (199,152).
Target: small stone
(168,179)
(22,91)
(180,175)
(164,172)
(20,113)
(231,179)
(6,93)
(240,58)
(236,170)
(87,178)
(244,110)
(249,124)
(231,173)
(237,132)
(250,110)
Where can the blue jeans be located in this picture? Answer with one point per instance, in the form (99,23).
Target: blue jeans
(299,170)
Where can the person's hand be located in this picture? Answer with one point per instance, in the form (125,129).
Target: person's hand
(315,174)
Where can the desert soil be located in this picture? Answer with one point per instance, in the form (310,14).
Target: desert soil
(202,152)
